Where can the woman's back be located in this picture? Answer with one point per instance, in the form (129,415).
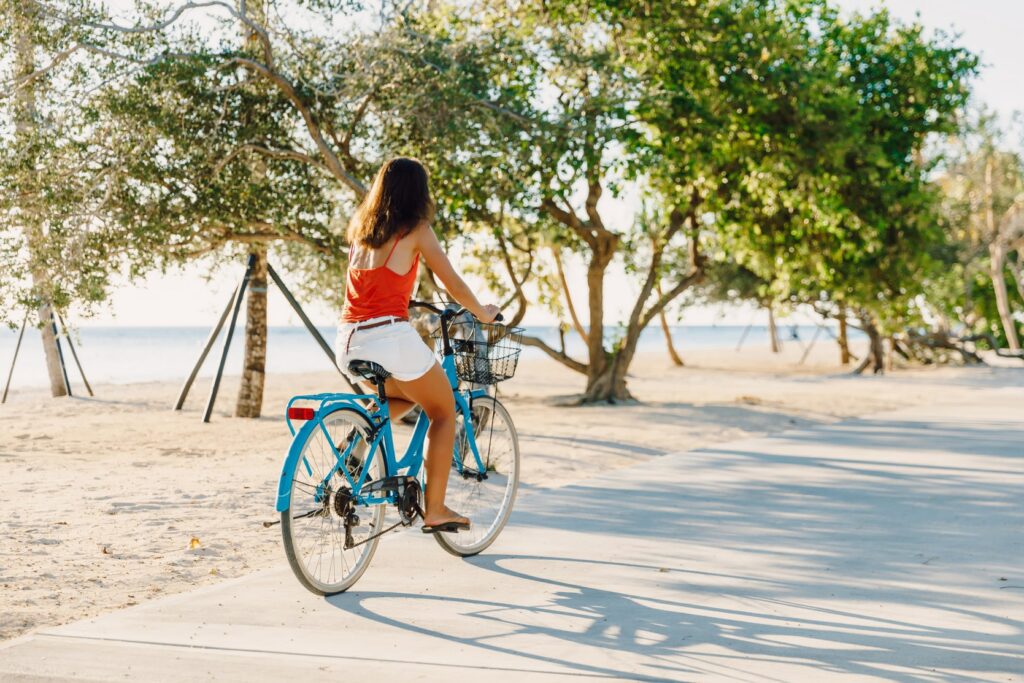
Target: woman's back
(380,281)
(399,254)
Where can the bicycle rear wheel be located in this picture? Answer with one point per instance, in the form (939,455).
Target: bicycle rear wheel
(487,502)
(313,530)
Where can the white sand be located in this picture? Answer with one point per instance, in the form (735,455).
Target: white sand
(103,497)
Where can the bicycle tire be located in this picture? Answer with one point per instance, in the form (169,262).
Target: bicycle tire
(290,524)
(467,544)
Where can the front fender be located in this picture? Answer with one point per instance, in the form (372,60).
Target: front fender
(284,485)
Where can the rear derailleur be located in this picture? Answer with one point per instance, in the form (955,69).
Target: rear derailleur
(408,500)
(345,508)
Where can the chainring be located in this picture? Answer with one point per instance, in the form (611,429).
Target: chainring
(409,503)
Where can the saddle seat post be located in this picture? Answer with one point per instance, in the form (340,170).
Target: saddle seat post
(372,373)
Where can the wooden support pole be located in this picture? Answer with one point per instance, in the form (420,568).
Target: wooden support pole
(844,342)
(807,351)
(309,324)
(773,333)
(236,305)
(60,353)
(743,336)
(214,333)
(17,346)
(74,354)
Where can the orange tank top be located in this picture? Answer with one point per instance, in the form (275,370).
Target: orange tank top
(378,292)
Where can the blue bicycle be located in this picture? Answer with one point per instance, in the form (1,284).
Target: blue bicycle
(342,471)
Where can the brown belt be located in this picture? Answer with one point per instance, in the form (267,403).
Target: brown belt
(358,328)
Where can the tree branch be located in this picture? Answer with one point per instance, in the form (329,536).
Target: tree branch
(331,160)
(594,192)
(517,284)
(561,357)
(570,220)
(691,278)
(253,26)
(273,153)
(556,251)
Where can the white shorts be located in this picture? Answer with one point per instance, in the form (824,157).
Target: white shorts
(397,348)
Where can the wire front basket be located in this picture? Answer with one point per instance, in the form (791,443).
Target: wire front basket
(484,353)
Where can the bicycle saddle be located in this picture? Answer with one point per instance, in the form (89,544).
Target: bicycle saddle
(368,370)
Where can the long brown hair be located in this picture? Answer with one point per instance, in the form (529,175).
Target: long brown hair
(398,200)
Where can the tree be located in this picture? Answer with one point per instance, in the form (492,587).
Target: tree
(983,187)
(581,120)
(53,249)
(222,150)
(200,176)
(842,216)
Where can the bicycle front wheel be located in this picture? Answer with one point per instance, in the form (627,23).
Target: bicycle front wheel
(321,516)
(487,500)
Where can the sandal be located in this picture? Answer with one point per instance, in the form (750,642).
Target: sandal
(450,526)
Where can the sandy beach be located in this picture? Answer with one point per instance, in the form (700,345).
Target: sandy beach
(112,501)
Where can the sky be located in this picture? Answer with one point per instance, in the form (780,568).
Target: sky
(990,28)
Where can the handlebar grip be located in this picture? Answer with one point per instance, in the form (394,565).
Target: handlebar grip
(498,318)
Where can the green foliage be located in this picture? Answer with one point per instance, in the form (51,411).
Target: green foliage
(199,166)
(54,234)
(980,170)
(838,206)
(779,148)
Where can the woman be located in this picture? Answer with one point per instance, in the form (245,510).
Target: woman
(388,233)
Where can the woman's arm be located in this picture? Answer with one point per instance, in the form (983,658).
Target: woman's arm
(437,261)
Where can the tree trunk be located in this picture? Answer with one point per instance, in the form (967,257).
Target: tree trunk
(601,383)
(254,365)
(844,341)
(608,383)
(54,369)
(25,122)
(997,271)
(773,333)
(556,251)
(876,352)
(1018,273)
(609,386)
(250,393)
(676,360)
(997,261)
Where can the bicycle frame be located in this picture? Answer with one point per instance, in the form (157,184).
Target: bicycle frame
(409,464)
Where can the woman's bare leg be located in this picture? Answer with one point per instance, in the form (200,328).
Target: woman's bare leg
(398,403)
(434,394)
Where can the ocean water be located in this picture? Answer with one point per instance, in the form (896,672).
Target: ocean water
(142,354)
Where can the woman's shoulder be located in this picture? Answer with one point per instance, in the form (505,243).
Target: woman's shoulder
(420,232)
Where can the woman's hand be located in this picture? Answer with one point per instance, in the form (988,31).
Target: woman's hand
(488,313)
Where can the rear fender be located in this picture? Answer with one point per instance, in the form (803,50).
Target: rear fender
(284,486)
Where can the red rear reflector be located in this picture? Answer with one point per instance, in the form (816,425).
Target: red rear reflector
(301,413)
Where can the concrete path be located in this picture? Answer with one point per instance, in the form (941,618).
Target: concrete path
(882,548)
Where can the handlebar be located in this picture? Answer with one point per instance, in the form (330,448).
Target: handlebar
(446,313)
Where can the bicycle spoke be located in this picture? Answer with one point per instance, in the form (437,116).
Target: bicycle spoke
(487,501)
(316,534)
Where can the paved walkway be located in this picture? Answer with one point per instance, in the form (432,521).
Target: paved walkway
(882,548)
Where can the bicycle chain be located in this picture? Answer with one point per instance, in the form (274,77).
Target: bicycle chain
(419,511)
(376,535)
